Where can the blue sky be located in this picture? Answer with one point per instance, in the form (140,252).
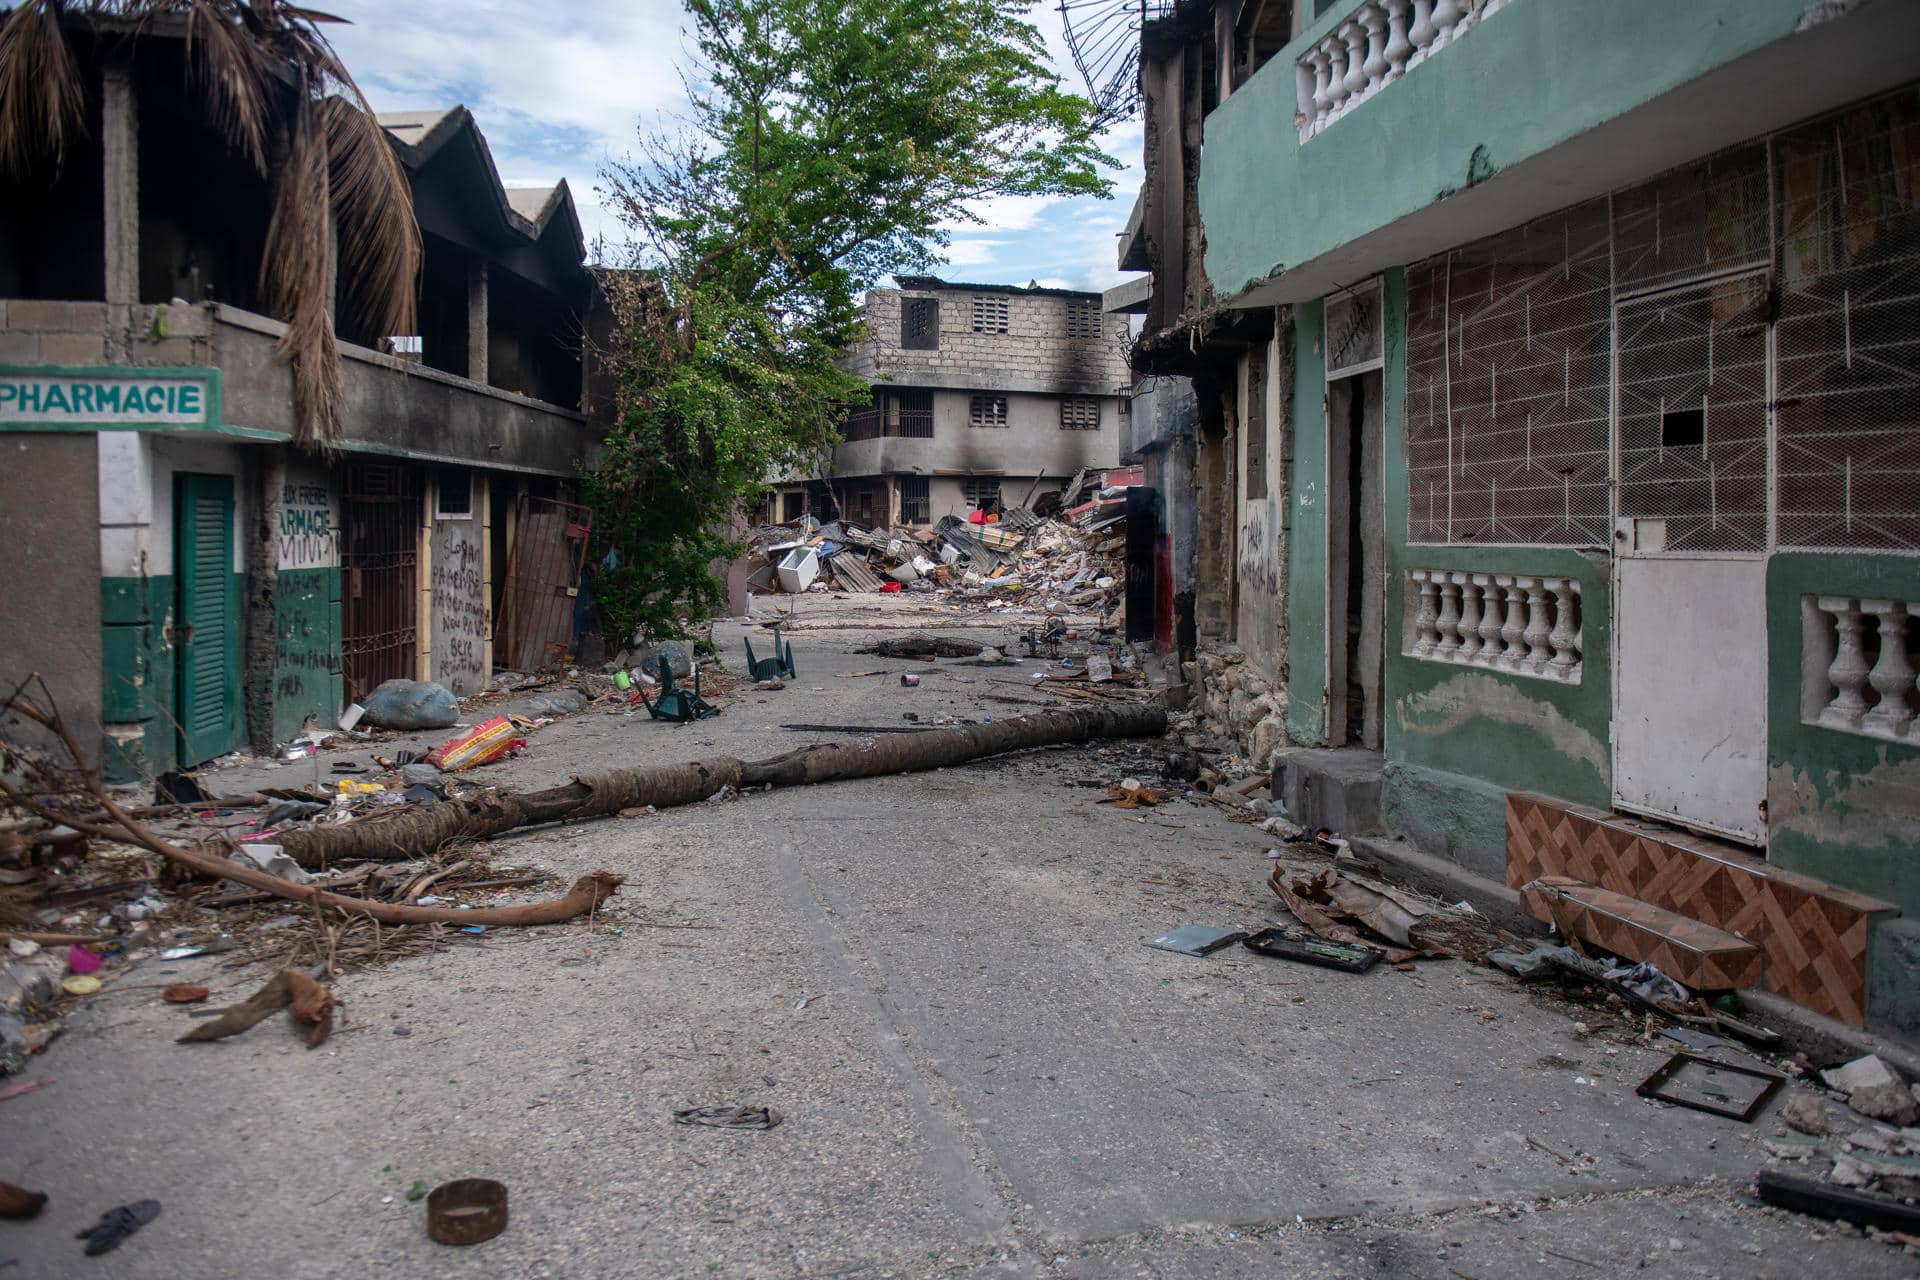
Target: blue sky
(561,86)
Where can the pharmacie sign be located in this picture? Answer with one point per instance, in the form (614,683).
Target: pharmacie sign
(113,398)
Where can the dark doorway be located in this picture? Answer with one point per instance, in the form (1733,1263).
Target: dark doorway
(1356,563)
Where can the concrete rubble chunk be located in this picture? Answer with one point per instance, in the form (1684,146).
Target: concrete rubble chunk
(1804,1112)
(1890,1102)
(1859,1074)
(271,859)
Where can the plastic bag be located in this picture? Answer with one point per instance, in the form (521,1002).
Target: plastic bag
(411,704)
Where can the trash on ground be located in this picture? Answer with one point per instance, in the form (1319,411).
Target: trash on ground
(1282,944)
(80,984)
(1839,1204)
(83,960)
(23,1088)
(729,1117)
(1195,939)
(273,860)
(466,1210)
(306,1001)
(116,1225)
(18,1202)
(779,666)
(411,704)
(1707,1084)
(1131,793)
(482,744)
(184,993)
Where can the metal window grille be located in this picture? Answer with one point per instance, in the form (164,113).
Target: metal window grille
(1256,420)
(1508,386)
(915,507)
(1847,337)
(987,411)
(1079,413)
(980,492)
(989,314)
(920,324)
(1356,340)
(1083,318)
(1706,218)
(907,414)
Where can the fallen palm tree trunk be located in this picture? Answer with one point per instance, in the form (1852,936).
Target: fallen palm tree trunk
(405,834)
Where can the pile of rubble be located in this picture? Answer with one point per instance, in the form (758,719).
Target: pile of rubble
(1070,561)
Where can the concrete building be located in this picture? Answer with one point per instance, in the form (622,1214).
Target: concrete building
(186,581)
(983,396)
(1569,459)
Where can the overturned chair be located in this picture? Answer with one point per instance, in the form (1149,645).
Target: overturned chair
(681,706)
(779,666)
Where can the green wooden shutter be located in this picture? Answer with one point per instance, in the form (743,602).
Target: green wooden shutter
(204,623)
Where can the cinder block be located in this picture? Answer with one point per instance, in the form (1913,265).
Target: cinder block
(40,314)
(19,348)
(73,348)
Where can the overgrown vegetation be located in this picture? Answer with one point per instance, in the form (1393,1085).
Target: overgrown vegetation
(828,143)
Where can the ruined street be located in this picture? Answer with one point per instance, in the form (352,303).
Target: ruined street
(938,980)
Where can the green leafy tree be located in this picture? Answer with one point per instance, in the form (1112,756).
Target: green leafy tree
(828,144)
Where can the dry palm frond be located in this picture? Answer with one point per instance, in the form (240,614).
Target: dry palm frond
(373,214)
(296,275)
(234,74)
(42,95)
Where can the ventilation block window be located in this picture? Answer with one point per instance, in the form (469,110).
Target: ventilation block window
(987,411)
(920,324)
(1083,318)
(1079,413)
(914,504)
(989,314)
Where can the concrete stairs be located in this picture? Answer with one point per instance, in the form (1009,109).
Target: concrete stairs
(1710,914)
(1335,789)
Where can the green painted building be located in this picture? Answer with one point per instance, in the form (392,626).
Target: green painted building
(1592,401)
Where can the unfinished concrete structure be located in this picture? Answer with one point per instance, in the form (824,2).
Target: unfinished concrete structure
(234,588)
(983,395)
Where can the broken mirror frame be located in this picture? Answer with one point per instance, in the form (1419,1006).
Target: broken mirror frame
(1283,944)
(1669,1070)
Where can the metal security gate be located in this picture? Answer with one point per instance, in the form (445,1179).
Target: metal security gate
(543,583)
(379,561)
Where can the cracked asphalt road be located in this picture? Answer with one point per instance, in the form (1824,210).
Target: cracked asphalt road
(939,980)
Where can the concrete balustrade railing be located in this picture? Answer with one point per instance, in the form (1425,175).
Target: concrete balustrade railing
(1524,626)
(1857,666)
(1380,42)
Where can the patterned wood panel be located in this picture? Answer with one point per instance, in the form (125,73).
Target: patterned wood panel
(1813,934)
(1702,957)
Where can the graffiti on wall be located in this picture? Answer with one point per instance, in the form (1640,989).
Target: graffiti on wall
(459,607)
(309,529)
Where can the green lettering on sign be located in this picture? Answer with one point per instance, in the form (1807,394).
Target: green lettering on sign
(53,399)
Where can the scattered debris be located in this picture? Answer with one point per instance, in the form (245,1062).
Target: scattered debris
(1195,939)
(306,1001)
(922,646)
(779,666)
(744,1117)
(410,704)
(1707,1084)
(23,1088)
(184,993)
(1283,944)
(116,1225)
(18,1202)
(483,744)
(1822,1200)
(466,1210)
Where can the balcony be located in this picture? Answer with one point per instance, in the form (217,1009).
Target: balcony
(1393,129)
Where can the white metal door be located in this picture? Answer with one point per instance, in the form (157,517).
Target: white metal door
(1693,457)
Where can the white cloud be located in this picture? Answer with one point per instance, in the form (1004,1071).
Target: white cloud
(972,253)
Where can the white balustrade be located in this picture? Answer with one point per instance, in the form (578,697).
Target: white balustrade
(1858,666)
(1524,626)
(1378,43)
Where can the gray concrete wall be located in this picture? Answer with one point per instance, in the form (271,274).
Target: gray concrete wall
(50,573)
(400,407)
(1035,354)
(457,656)
(1031,444)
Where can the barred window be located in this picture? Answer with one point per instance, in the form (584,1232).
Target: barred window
(920,324)
(914,506)
(987,411)
(1079,413)
(981,492)
(1508,386)
(989,314)
(1255,417)
(1083,318)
